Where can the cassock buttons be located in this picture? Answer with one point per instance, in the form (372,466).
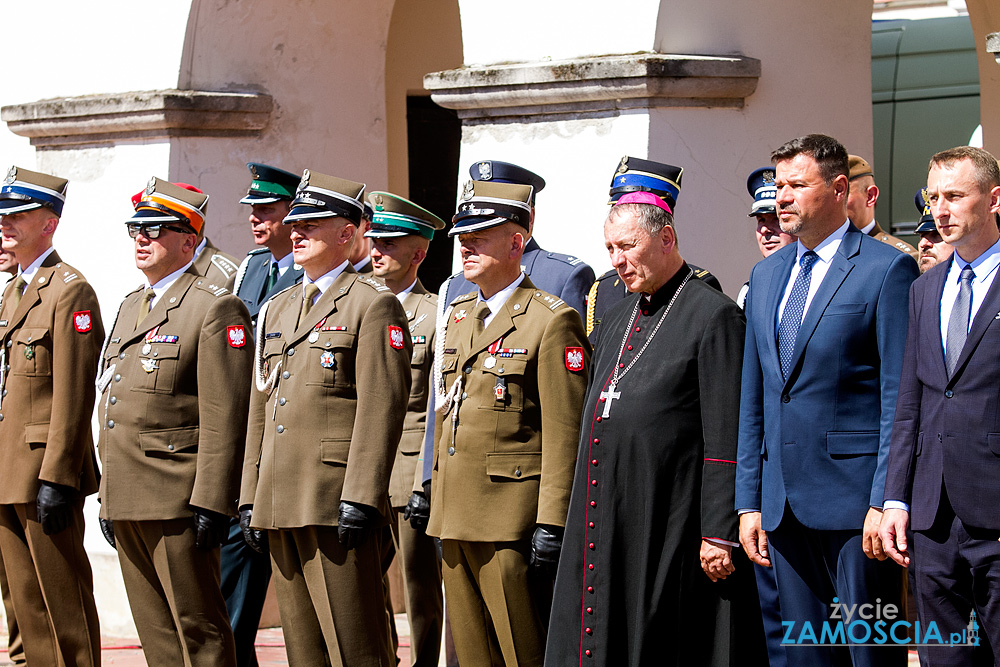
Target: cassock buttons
(590,631)
(621,365)
(587,652)
(593,503)
(594,463)
(590,589)
(590,525)
(599,419)
(590,610)
(638,328)
(593,482)
(591,546)
(591,566)
(597,441)
(629,348)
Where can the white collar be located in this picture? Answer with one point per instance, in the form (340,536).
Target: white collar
(497,301)
(402,295)
(326,280)
(29,273)
(826,248)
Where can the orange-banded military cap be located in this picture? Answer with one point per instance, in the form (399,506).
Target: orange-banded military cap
(321,196)
(24,190)
(162,202)
(858,167)
(487,204)
(393,215)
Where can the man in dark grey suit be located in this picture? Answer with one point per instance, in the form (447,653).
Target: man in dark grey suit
(941,491)
(263,273)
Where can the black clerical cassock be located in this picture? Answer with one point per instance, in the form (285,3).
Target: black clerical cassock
(654,475)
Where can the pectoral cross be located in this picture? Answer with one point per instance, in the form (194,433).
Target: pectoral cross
(609,396)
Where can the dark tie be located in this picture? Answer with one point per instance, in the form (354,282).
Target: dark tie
(958,323)
(145,306)
(272,278)
(17,293)
(307,300)
(482,312)
(791,317)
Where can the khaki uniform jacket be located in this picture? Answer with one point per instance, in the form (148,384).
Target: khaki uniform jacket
(51,344)
(899,244)
(421,310)
(327,429)
(507,463)
(174,400)
(219,267)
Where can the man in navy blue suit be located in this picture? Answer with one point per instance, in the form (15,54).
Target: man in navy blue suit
(942,494)
(825,332)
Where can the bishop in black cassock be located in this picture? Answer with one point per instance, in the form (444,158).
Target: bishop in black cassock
(655,476)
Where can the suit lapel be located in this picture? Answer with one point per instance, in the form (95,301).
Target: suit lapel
(170,299)
(989,310)
(32,292)
(326,305)
(840,267)
(504,321)
(285,280)
(933,329)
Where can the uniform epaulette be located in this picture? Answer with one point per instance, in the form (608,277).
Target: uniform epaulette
(212,288)
(461,298)
(69,276)
(567,259)
(610,274)
(224,265)
(701,273)
(257,251)
(551,301)
(371,282)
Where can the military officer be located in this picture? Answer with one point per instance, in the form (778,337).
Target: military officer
(513,376)
(400,234)
(861,199)
(332,383)
(361,258)
(933,249)
(636,175)
(175,382)
(770,237)
(566,276)
(50,338)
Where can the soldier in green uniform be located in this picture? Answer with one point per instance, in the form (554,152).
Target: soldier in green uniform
(513,376)
(400,234)
(332,383)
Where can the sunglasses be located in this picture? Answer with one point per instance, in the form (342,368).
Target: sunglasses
(152,231)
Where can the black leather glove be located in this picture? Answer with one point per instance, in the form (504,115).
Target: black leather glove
(211,528)
(55,507)
(108,529)
(546,544)
(354,524)
(255,538)
(418,510)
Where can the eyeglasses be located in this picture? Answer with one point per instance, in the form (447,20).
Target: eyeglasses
(152,231)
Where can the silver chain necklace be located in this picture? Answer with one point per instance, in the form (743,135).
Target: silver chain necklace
(611,394)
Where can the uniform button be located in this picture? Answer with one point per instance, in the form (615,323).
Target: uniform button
(451,451)
(591,566)
(621,365)
(111,423)
(465,395)
(290,351)
(285,375)
(1,418)
(630,348)
(785,398)
(517,473)
(590,631)
(500,370)
(281,428)
(9,343)
(590,589)
(170,447)
(467,369)
(598,419)
(638,328)
(593,503)
(591,546)
(590,610)
(282,401)
(949,393)
(113,400)
(597,441)
(593,482)
(591,524)
(121,356)
(118,377)
(594,462)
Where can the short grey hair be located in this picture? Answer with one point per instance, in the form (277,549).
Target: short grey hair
(651,218)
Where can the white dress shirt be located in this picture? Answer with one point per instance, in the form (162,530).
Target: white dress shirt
(402,295)
(324,281)
(163,284)
(985,267)
(29,273)
(496,302)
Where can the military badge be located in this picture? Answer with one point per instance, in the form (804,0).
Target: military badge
(574,358)
(11,176)
(149,365)
(768,177)
(313,336)
(468,190)
(500,389)
(29,352)
(151,186)
(237,335)
(304,183)
(485,171)
(81,321)
(379,206)
(147,348)
(490,362)
(253,171)
(623,165)
(326,360)
(460,315)
(396,337)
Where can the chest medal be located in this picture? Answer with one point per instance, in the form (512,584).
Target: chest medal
(29,352)
(326,360)
(149,365)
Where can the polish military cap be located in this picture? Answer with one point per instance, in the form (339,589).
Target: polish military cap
(858,167)
(635,175)
(505,172)
(269,184)
(394,216)
(321,196)
(25,190)
(163,201)
(761,187)
(487,204)
(926,223)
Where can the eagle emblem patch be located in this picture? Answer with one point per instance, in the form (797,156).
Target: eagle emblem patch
(396,337)
(81,321)
(574,358)
(237,336)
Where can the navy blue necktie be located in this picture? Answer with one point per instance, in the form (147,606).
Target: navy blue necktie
(791,317)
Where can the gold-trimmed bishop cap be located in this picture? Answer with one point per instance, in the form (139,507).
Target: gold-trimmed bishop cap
(393,215)
(164,202)
(488,204)
(24,190)
(321,196)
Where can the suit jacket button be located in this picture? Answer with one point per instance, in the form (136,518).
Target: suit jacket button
(280,429)
(949,393)
(785,398)
(451,451)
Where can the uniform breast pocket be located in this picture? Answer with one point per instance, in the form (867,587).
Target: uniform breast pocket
(157,368)
(31,353)
(331,359)
(507,377)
